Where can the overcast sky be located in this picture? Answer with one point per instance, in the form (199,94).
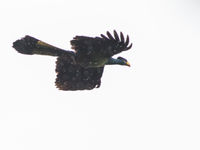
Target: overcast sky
(153,105)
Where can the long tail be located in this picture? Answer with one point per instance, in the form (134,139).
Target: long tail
(30,45)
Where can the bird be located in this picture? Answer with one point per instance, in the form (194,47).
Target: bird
(82,67)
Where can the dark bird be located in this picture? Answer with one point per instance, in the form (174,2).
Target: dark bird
(82,68)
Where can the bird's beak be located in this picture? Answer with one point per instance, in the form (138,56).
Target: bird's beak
(128,64)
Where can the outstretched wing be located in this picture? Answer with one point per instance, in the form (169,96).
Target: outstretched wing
(105,46)
(71,76)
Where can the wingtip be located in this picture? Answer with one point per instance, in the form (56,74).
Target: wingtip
(129,47)
(116,35)
(122,37)
(109,36)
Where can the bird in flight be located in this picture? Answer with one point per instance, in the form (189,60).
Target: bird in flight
(82,68)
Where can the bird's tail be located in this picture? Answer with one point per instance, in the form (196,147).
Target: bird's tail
(30,45)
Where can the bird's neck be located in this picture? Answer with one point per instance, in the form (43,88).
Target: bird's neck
(113,61)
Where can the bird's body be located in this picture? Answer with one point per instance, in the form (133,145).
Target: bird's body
(83,68)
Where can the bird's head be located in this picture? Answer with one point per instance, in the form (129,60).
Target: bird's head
(123,61)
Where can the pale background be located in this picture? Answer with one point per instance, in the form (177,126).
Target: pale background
(154,105)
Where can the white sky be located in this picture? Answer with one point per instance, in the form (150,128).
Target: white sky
(154,105)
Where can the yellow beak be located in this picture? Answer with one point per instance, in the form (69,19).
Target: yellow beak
(128,64)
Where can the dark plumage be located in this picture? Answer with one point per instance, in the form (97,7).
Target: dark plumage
(83,68)
(75,77)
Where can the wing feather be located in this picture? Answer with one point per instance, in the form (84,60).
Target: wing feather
(104,46)
(71,76)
